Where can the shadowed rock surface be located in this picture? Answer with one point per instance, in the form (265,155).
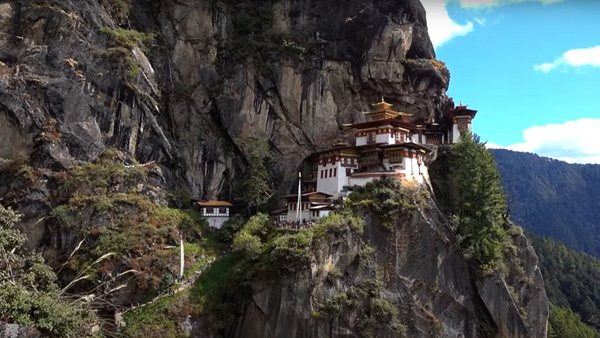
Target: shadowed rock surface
(290,73)
(418,268)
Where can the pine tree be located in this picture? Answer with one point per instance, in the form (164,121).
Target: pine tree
(480,207)
(254,188)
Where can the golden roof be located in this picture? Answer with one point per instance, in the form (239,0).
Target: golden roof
(382,110)
(381,105)
(214,204)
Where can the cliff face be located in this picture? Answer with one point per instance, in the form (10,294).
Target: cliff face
(289,72)
(412,264)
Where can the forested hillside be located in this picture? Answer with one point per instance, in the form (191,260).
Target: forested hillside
(572,281)
(553,198)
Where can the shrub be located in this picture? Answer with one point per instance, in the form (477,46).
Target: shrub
(129,38)
(339,222)
(251,239)
(50,133)
(250,244)
(28,293)
(386,199)
(127,224)
(119,9)
(230,228)
(20,167)
(365,254)
(291,251)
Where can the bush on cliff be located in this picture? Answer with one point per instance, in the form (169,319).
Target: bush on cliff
(112,207)
(386,199)
(29,295)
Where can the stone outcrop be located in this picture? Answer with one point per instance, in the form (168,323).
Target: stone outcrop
(191,99)
(289,73)
(17,331)
(422,273)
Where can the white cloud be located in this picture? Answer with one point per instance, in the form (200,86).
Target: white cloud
(573,141)
(441,27)
(580,57)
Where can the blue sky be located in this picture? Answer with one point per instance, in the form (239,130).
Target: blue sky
(531,68)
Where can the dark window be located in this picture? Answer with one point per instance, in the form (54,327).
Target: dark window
(321,173)
(222,210)
(209,210)
(330,172)
(334,172)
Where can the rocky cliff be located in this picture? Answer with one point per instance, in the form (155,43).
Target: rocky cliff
(184,84)
(402,275)
(288,72)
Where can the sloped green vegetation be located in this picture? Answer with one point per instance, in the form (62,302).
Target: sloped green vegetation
(374,311)
(553,198)
(480,208)
(129,38)
(572,280)
(29,295)
(161,318)
(108,204)
(564,323)
(19,167)
(208,292)
(122,41)
(387,199)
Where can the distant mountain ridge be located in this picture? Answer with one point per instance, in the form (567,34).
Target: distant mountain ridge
(553,198)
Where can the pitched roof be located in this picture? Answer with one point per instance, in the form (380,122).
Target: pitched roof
(307,194)
(279,211)
(463,111)
(214,204)
(395,122)
(408,145)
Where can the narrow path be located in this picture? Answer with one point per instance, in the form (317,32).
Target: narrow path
(186,284)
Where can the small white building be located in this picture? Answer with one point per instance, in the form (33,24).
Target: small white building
(334,167)
(215,212)
(313,205)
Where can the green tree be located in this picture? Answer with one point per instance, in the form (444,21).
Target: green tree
(571,279)
(29,295)
(253,236)
(254,187)
(480,204)
(563,323)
